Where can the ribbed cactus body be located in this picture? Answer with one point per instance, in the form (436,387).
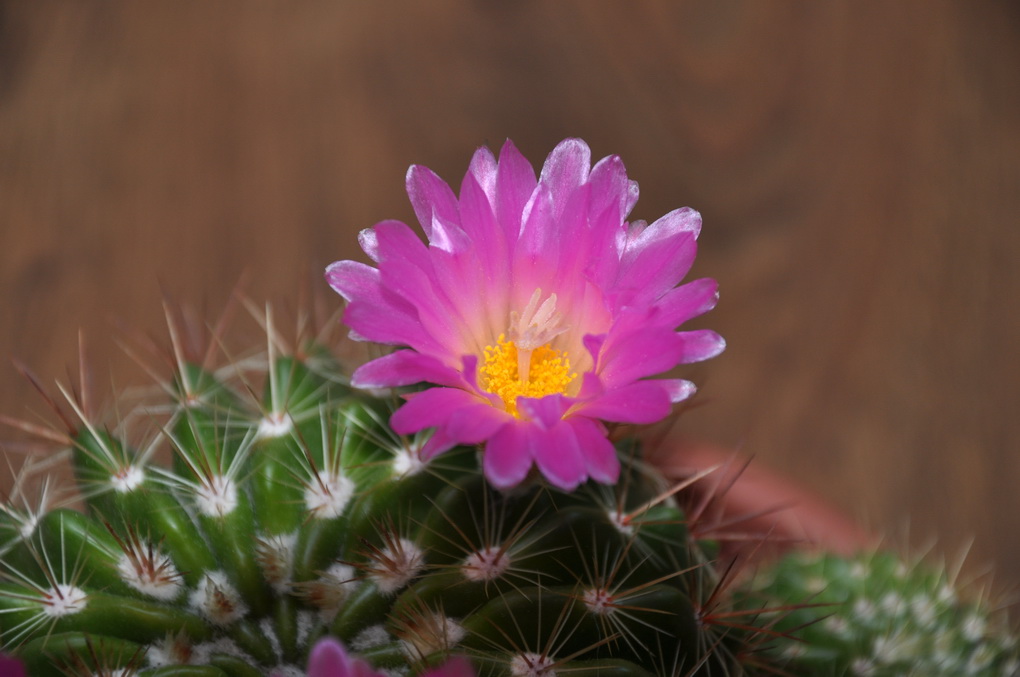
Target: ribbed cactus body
(297,513)
(240,514)
(874,614)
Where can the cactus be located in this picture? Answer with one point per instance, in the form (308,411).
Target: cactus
(242,517)
(299,513)
(877,613)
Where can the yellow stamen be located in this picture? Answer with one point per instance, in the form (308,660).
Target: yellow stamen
(548,373)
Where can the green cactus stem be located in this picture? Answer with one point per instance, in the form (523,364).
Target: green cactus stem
(876,614)
(297,513)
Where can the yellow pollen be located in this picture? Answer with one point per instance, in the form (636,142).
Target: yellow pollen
(548,373)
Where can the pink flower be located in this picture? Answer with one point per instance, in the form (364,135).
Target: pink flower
(329,659)
(11,667)
(537,309)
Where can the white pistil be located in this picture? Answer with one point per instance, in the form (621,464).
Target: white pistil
(536,326)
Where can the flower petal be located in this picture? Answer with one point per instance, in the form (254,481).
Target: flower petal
(436,444)
(558,455)
(678,389)
(638,402)
(436,207)
(429,409)
(687,301)
(515,182)
(352,279)
(483,170)
(404,368)
(476,423)
(640,352)
(701,344)
(508,456)
(458,666)
(599,453)
(656,258)
(329,659)
(546,411)
(565,169)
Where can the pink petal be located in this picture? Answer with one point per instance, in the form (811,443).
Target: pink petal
(540,238)
(701,344)
(458,666)
(441,320)
(386,323)
(407,272)
(473,424)
(565,169)
(639,402)
(352,280)
(396,241)
(546,411)
(429,409)
(599,453)
(404,368)
(437,443)
(678,389)
(609,203)
(593,344)
(610,192)
(483,170)
(374,313)
(658,257)
(508,456)
(687,301)
(490,246)
(434,204)
(369,244)
(11,667)
(328,659)
(558,455)
(640,353)
(515,181)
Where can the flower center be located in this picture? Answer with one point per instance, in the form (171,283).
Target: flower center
(548,372)
(526,365)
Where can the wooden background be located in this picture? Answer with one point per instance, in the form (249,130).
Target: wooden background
(857,165)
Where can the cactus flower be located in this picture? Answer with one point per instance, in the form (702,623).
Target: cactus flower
(330,659)
(535,308)
(11,667)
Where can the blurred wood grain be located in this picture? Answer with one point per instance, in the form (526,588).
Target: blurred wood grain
(857,165)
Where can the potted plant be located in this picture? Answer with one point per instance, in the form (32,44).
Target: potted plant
(469,501)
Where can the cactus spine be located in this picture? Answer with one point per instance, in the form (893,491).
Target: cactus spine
(265,504)
(877,614)
(298,513)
